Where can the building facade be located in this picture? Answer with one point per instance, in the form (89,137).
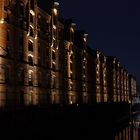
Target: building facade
(44,60)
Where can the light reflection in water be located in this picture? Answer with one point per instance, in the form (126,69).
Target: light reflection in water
(130,131)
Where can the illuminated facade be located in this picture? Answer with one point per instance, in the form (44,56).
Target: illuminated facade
(132,86)
(67,64)
(81,66)
(44,60)
(99,79)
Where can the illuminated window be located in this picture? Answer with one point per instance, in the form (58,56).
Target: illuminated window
(85,97)
(72,98)
(105,98)
(55,11)
(98,98)
(119,98)
(98,66)
(55,98)
(98,55)
(28,98)
(71,86)
(84,39)
(30,78)
(53,66)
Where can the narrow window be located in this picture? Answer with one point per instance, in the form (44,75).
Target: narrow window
(30,60)
(31,18)
(32,4)
(30,46)
(30,78)
(31,32)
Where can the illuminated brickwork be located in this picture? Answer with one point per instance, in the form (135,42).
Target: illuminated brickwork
(44,60)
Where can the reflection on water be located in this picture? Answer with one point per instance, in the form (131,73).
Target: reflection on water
(124,134)
(130,131)
(135,128)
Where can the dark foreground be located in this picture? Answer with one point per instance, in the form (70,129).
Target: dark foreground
(82,122)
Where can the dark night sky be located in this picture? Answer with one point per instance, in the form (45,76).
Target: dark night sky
(113,27)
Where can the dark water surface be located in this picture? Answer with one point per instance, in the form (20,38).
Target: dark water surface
(130,129)
(72,123)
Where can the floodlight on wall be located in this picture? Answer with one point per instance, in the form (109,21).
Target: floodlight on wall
(56,3)
(2,21)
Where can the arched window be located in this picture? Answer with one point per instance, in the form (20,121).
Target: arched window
(30,46)
(31,18)
(31,32)
(30,60)
(53,56)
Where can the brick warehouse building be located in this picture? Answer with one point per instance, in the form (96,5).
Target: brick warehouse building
(44,60)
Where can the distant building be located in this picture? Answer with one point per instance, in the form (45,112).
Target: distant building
(136,98)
